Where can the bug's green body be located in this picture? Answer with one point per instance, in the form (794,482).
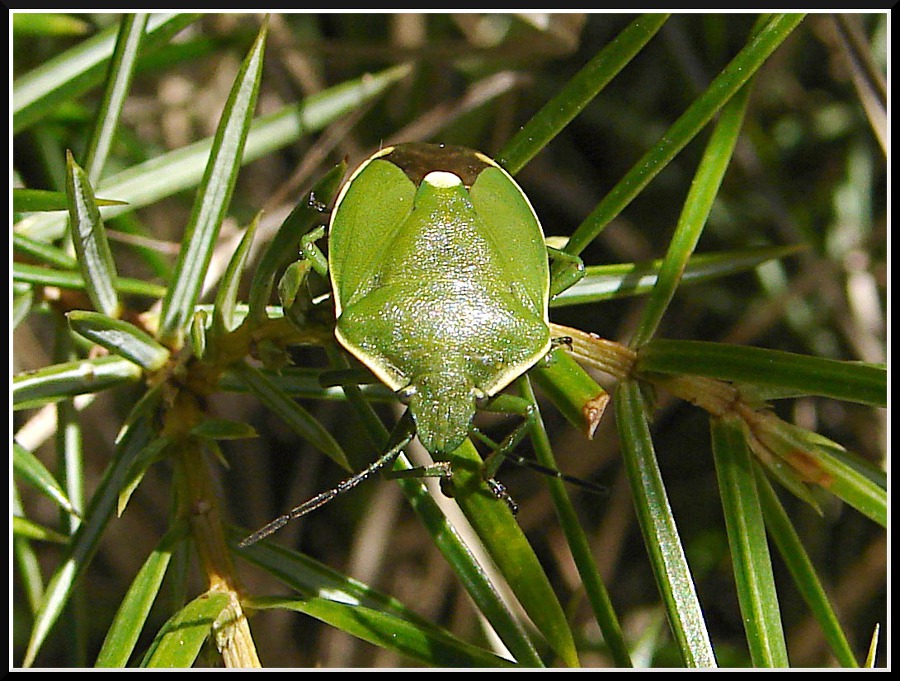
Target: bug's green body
(441,281)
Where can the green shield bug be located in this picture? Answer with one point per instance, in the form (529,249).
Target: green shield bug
(440,280)
(441,283)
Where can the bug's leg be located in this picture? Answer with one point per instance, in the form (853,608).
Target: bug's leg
(323,498)
(294,285)
(505,450)
(438,469)
(567,270)
(311,252)
(508,404)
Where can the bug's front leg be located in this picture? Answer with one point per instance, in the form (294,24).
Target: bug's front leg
(295,296)
(311,252)
(567,270)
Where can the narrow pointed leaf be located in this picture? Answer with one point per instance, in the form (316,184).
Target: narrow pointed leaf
(41,200)
(178,643)
(70,279)
(606,282)
(120,337)
(459,555)
(661,537)
(23,528)
(33,249)
(29,467)
(118,82)
(59,381)
(89,239)
(226,296)
(312,579)
(856,482)
(145,458)
(578,92)
(683,130)
(83,543)
(507,545)
(295,416)
(697,206)
(132,613)
(802,570)
(424,645)
(315,581)
(579,545)
(213,198)
(747,539)
(803,374)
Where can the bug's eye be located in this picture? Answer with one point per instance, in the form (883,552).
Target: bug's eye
(406,394)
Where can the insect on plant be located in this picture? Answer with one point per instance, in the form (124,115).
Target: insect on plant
(424,277)
(441,285)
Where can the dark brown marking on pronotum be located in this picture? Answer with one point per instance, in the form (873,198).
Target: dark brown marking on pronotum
(418,159)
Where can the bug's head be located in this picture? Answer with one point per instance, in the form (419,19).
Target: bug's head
(442,407)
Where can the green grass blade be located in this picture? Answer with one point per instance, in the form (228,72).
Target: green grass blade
(31,469)
(47,24)
(697,206)
(701,111)
(132,613)
(578,92)
(89,239)
(608,282)
(305,382)
(511,552)
(856,487)
(71,471)
(293,415)
(661,537)
(572,390)
(578,542)
(23,528)
(39,200)
(118,83)
(39,92)
(120,337)
(856,482)
(801,374)
(213,198)
(425,645)
(178,643)
(83,542)
(45,276)
(750,557)
(42,251)
(226,296)
(59,381)
(802,570)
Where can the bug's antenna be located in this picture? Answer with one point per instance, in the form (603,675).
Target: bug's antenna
(321,499)
(554,473)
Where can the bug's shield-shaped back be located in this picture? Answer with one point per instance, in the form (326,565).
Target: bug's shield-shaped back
(440,316)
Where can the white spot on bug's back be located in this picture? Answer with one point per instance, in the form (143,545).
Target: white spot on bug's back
(442,179)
